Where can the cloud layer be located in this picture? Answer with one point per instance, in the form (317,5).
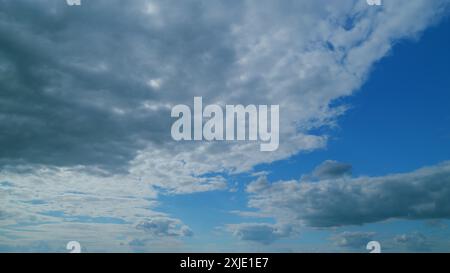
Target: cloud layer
(86,94)
(419,195)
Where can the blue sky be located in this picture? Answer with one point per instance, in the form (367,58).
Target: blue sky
(364,135)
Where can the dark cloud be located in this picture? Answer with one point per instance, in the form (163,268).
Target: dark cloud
(6,184)
(75,81)
(419,195)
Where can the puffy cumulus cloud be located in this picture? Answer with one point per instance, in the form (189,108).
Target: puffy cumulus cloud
(353,240)
(86,93)
(419,195)
(259,232)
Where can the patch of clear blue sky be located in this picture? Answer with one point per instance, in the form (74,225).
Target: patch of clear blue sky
(399,121)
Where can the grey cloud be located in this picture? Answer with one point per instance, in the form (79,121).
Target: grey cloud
(419,195)
(259,232)
(3,215)
(332,169)
(353,240)
(6,184)
(138,243)
(165,227)
(258,185)
(75,81)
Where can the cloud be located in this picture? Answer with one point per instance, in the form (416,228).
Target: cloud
(418,195)
(160,227)
(76,82)
(332,169)
(87,92)
(353,240)
(3,215)
(103,213)
(66,104)
(259,232)
(258,185)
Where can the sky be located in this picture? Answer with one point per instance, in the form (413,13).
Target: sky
(86,153)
